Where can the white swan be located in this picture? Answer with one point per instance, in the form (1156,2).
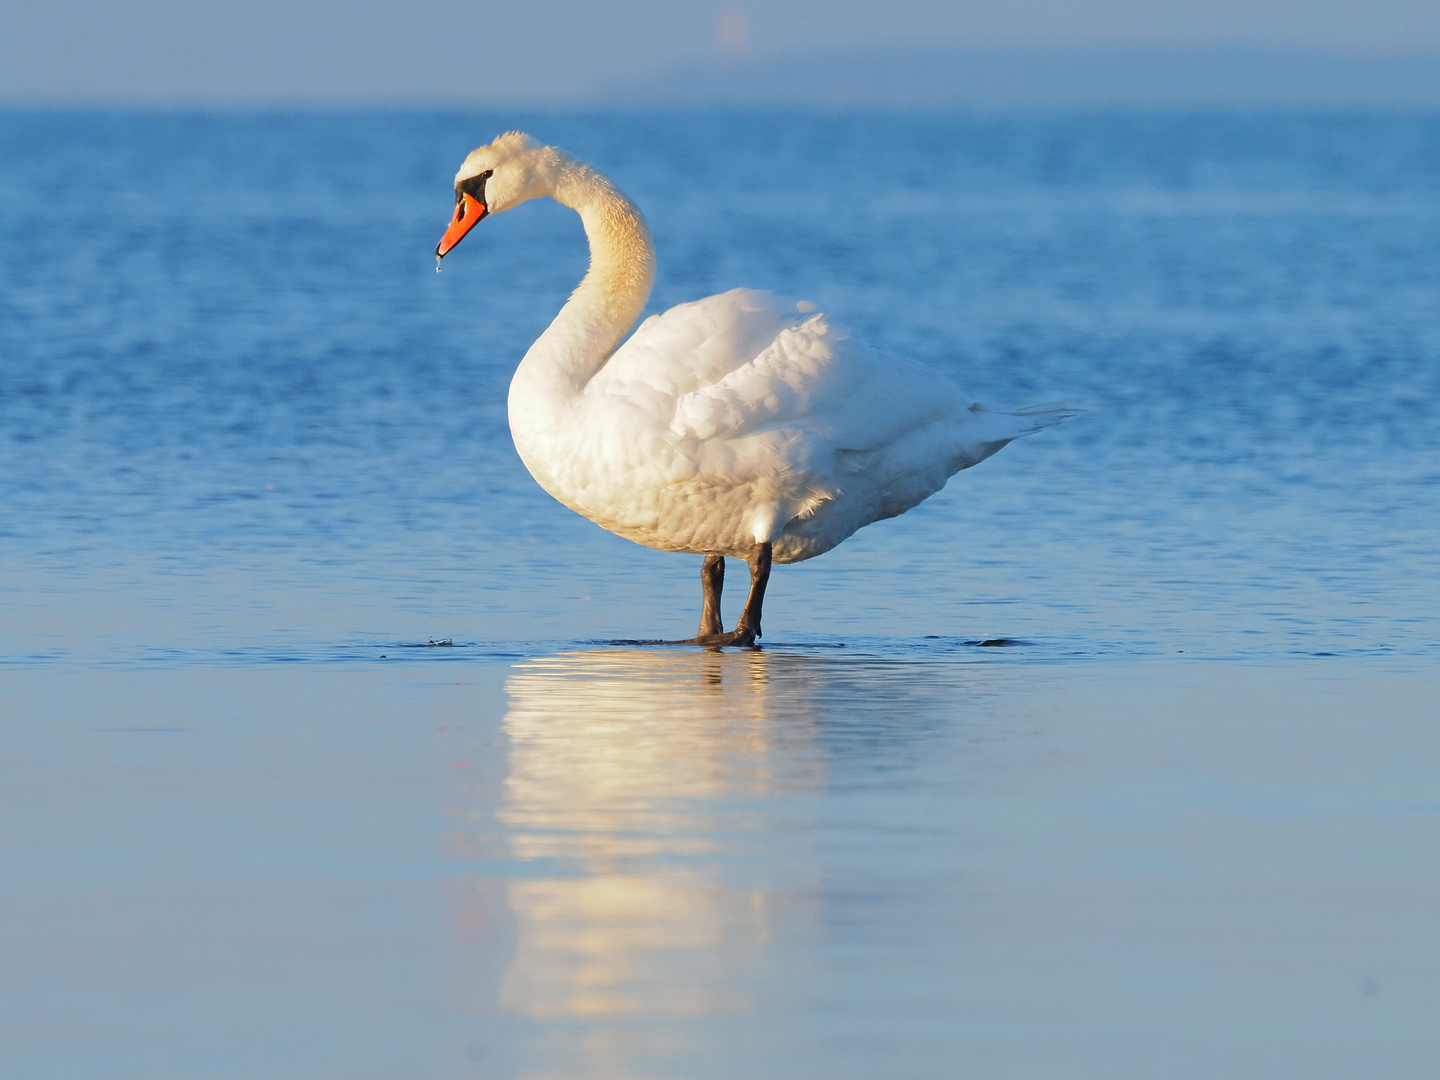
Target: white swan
(743,424)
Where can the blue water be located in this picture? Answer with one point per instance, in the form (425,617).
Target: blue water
(253,455)
(241,411)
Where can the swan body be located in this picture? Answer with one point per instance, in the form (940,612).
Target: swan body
(745,418)
(737,422)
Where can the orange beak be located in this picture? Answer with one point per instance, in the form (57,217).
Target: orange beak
(468,212)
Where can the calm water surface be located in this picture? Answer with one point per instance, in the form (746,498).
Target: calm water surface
(253,451)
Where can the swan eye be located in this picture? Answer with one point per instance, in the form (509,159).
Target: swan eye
(473,186)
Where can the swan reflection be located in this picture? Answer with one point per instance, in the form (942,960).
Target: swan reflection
(659,833)
(630,777)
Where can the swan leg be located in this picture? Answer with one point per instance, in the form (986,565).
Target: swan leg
(712,577)
(748,627)
(712,581)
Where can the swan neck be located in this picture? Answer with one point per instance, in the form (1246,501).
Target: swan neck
(612,294)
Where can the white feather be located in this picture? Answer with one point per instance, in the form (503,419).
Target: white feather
(738,418)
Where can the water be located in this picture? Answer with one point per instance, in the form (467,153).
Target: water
(253,452)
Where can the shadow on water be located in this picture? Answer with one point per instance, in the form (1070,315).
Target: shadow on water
(649,839)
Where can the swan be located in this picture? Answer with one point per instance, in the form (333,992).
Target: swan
(745,424)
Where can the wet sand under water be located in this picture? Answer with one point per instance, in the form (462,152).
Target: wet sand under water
(892,859)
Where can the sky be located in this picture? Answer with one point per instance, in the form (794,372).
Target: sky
(566,52)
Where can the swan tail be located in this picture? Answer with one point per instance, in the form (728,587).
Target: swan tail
(1033,418)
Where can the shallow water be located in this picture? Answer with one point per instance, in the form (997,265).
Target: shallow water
(632,863)
(253,457)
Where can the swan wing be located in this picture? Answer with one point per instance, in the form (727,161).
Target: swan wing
(747,362)
(696,344)
(813,375)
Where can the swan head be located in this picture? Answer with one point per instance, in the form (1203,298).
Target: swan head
(498,176)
